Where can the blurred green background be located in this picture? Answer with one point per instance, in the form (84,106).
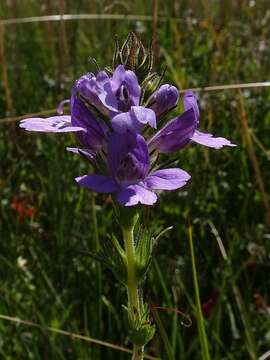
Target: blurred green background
(46,221)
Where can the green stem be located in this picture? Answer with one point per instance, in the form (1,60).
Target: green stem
(132,285)
(133,295)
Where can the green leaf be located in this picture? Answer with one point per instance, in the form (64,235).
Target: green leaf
(145,243)
(142,335)
(113,257)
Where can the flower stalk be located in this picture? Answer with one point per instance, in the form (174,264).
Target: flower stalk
(134,306)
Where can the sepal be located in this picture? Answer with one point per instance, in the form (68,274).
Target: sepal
(143,253)
(145,243)
(151,83)
(134,56)
(142,331)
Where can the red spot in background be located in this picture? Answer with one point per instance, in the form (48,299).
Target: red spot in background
(22,208)
(208,306)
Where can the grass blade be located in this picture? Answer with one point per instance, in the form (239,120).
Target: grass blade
(200,320)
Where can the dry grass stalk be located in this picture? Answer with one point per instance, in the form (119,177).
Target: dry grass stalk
(252,155)
(4,71)
(154,27)
(49,24)
(62,41)
(73,336)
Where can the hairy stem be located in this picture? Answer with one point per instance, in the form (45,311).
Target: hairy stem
(137,352)
(132,285)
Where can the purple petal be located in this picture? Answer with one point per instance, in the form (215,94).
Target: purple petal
(120,146)
(118,77)
(164,99)
(129,80)
(102,78)
(144,116)
(133,87)
(108,98)
(51,124)
(87,153)
(98,183)
(134,119)
(82,85)
(101,86)
(95,136)
(176,134)
(210,141)
(135,194)
(123,122)
(167,179)
(97,91)
(191,102)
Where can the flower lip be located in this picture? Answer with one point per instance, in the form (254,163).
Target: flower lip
(134,120)
(128,158)
(129,171)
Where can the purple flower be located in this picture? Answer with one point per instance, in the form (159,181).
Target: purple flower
(164,99)
(125,88)
(111,95)
(107,119)
(117,97)
(129,174)
(97,91)
(181,130)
